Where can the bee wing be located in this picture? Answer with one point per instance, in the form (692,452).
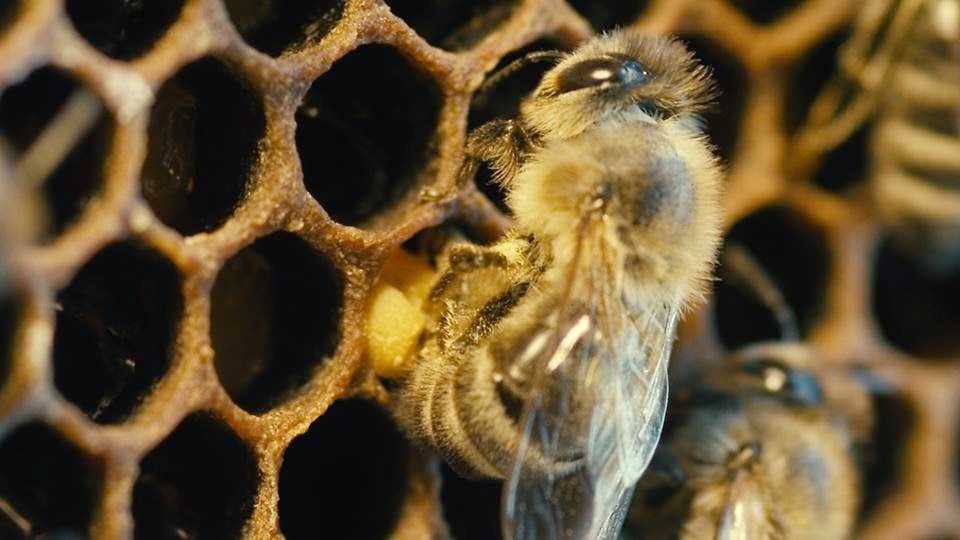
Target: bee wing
(593,415)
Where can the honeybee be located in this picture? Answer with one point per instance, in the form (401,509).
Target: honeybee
(544,356)
(901,66)
(764,450)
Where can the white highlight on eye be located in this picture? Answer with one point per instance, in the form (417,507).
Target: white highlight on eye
(602,74)
(774,379)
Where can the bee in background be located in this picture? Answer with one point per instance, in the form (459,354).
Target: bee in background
(765,450)
(901,66)
(915,148)
(544,356)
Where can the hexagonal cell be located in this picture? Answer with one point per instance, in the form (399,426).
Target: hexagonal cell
(765,12)
(502,101)
(199,482)
(197,168)
(881,460)
(471,508)
(275,315)
(48,488)
(607,14)
(277,27)
(10,311)
(453,24)
(347,475)
(793,254)
(365,132)
(115,329)
(916,309)
(34,111)
(724,116)
(123,29)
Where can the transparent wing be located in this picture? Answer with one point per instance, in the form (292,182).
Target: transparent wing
(594,413)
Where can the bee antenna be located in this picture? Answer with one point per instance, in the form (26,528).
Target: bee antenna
(741,266)
(74,119)
(530,58)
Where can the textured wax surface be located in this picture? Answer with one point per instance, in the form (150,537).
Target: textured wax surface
(181,334)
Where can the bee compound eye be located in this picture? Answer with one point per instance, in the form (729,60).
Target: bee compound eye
(773,375)
(779,379)
(609,70)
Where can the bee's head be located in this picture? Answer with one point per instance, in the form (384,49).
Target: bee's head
(618,76)
(795,376)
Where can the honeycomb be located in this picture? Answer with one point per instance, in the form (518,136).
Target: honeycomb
(181,324)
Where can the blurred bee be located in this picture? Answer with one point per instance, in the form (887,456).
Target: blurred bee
(902,67)
(763,449)
(544,359)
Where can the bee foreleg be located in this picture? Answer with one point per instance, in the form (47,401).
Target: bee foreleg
(463,259)
(501,143)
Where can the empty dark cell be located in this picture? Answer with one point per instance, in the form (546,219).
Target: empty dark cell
(742,318)
(123,29)
(793,254)
(275,317)
(49,487)
(198,483)
(453,24)
(471,508)
(881,458)
(115,329)
(26,111)
(765,11)
(810,76)
(723,116)
(918,310)
(203,136)
(280,26)
(346,476)
(10,311)
(502,101)
(608,14)
(27,107)
(365,132)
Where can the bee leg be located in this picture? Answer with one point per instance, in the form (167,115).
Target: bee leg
(468,169)
(462,259)
(502,143)
(467,257)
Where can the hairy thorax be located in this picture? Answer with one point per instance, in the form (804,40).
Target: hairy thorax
(660,188)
